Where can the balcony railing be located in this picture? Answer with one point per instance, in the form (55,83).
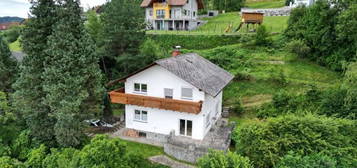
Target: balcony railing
(118,96)
(161,5)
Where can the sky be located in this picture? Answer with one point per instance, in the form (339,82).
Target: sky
(21,8)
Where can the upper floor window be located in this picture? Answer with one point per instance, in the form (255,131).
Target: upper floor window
(186,93)
(188,1)
(184,12)
(139,87)
(194,14)
(169,93)
(160,14)
(150,12)
(141,115)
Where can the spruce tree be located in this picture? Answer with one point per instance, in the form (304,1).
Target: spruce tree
(72,77)
(29,93)
(123,33)
(8,67)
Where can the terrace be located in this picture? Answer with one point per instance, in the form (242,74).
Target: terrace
(119,96)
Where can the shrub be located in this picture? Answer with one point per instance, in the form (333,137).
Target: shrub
(292,160)
(12,34)
(334,103)
(237,107)
(36,157)
(261,38)
(278,76)
(7,162)
(218,159)
(167,41)
(298,47)
(266,142)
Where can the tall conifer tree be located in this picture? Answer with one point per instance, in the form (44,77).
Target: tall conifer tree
(72,77)
(29,93)
(123,33)
(8,68)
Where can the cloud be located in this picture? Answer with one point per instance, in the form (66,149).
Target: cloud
(22,7)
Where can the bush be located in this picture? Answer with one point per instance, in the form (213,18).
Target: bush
(265,143)
(218,159)
(12,34)
(278,76)
(334,103)
(199,42)
(7,162)
(261,38)
(298,47)
(237,107)
(292,160)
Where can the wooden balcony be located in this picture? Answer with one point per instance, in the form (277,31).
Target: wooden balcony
(119,96)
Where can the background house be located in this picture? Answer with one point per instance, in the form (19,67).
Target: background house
(172,14)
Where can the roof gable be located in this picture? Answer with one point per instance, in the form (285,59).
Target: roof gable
(197,71)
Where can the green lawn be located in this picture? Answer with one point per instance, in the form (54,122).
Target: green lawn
(265,3)
(217,25)
(15,46)
(143,149)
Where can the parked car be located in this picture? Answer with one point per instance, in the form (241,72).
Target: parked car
(98,123)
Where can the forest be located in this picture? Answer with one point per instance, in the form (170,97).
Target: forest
(293,98)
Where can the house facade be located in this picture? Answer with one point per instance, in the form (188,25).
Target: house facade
(172,14)
(296,3)
(180,96)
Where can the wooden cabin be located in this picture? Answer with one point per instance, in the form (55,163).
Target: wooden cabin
(252,17)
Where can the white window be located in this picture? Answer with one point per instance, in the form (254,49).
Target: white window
(140,115)
(139,87)
(185,127)
(169,93)
(186,93)
(150,12)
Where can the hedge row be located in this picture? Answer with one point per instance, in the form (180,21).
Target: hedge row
(197,42)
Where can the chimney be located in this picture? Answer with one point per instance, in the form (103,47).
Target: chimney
(176,51)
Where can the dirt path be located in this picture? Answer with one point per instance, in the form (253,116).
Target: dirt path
(164,160)
(256,100)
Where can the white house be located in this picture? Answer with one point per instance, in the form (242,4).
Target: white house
(180,95)
(296,3)
(172,14)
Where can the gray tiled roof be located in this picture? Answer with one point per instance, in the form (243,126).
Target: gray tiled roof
(197,71)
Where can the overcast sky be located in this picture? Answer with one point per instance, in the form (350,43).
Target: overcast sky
(21,8)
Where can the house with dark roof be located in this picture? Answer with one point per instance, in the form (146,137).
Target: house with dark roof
(180,96)
(172,14)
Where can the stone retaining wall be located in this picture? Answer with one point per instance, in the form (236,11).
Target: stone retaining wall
(284,11)
(190,150)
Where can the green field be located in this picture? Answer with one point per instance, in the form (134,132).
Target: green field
(217,25)
(15,46)
(265,3)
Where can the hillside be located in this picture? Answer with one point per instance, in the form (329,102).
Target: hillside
(262,71)
(6,19)
(265,3)
(219,24)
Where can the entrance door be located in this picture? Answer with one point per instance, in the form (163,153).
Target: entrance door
(185,127)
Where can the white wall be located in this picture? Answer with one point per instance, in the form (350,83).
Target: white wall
(158,78)
(192,6)
(212,105)
(163,121)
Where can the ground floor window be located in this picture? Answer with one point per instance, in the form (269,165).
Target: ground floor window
(185,127)
(141,115)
